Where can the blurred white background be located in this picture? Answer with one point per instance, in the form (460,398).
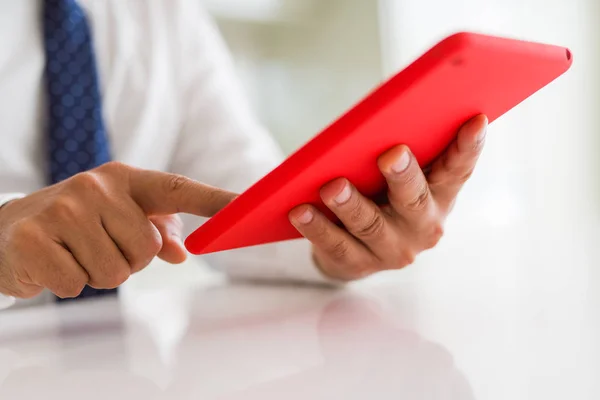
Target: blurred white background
(528,219)
(304,62)
(534,198)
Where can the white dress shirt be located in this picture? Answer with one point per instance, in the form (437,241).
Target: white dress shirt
(171,103)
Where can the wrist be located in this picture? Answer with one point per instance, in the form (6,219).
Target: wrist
(8,301)
(6,198)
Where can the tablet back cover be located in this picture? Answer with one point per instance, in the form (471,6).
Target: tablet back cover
(423,107)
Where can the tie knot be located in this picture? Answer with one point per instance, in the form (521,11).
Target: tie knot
(63,15)
(64,4)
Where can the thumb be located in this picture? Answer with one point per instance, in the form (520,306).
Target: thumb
(170,227)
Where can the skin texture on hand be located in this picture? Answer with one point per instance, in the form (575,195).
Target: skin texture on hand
(391,236)
(97,228)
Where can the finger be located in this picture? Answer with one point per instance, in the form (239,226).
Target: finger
(19,289)
(408,190)
(26,291)
(14,282)
(450,172)
(170,228)
(346,257)
(57,270)
(162,193)
(361,217)
(96,252)
(36,261)
(138,240)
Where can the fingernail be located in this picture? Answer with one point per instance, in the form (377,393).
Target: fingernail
(472,135)
(480,136)
(306,217)
(344,195)
(401,163)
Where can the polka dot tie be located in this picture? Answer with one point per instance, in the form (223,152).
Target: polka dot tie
(77,139)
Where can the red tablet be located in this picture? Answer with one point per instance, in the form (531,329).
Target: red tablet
(423,107)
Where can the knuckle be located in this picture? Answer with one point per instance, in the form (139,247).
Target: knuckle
(12,286)
(446,162)
(355,211)
(101,180)
(407,257)
(216,200)
(152,243)
(362,270)
(149,245)
(65,207)
(24,236)
(464,177)
(113,167)
(112,279)
(176,183)
(25,229)
(28,293)
(119,277)
(70,288)
(373,228)
(86,181)
(66,293)
(21,291)
(139,263)
(419,202)
(361,219)
(318,231)
(404,258)
(436,232)
(461,176)
(339,251)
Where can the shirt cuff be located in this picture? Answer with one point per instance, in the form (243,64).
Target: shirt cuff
(6,197)
(7,301)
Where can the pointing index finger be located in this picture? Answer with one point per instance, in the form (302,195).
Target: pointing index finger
(160,193)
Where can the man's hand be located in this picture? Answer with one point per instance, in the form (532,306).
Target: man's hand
(390,237)
(97,229)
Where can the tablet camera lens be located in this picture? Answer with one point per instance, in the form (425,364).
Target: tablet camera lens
(457,61)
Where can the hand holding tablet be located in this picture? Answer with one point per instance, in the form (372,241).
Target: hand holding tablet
(389,236)
(422,108)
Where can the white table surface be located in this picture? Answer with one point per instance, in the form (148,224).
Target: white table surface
(508,315)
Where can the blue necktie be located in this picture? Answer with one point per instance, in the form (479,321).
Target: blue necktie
(77,139)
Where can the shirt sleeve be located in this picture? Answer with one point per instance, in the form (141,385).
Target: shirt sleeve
(222,144)
(6,197)
(7,301)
